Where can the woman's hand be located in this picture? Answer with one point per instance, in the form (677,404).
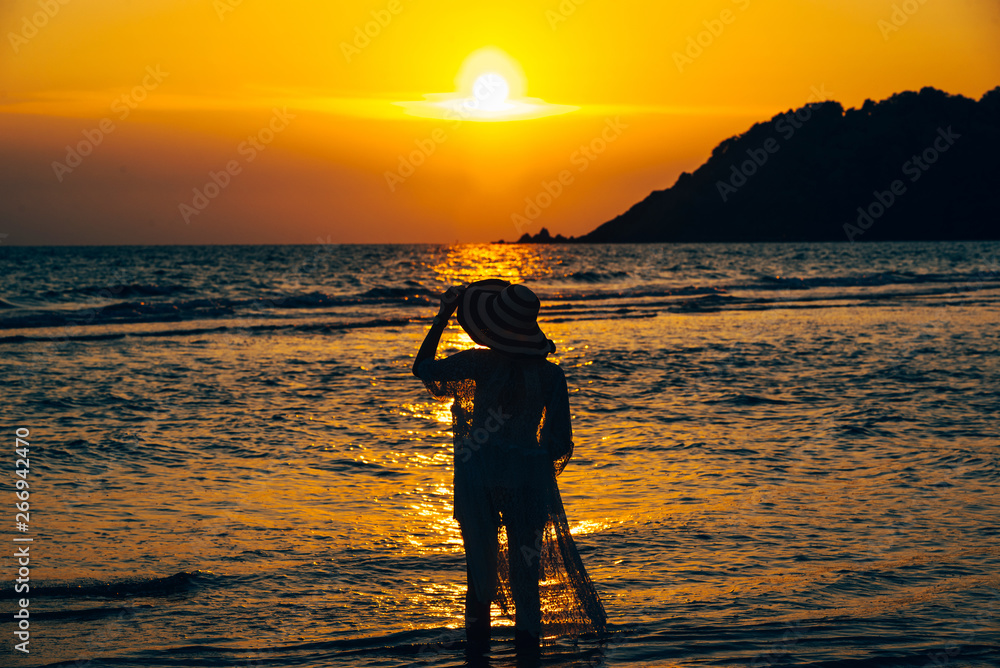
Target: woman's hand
(428,349)
(450,299)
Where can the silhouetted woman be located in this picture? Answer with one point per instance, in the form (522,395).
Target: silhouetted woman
(512,438)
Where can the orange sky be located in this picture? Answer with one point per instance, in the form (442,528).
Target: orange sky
(281,116)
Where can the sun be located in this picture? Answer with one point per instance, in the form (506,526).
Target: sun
(489,86)
(490,92)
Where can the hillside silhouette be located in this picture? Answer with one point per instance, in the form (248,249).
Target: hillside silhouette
(916,166)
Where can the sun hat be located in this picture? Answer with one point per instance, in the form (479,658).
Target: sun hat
(502,316)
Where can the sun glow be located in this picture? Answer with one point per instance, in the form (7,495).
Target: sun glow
(489,87)
(490,91)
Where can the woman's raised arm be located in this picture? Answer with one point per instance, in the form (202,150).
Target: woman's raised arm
(428,349)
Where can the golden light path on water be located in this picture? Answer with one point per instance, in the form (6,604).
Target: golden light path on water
(513,262)
(431,507)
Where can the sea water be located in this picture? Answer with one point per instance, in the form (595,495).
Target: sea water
(785,454)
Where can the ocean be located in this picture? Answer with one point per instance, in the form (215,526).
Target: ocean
(785,454)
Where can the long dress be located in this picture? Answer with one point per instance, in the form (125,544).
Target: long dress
(512,438)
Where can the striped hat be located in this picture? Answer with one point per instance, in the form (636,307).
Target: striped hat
(501,316)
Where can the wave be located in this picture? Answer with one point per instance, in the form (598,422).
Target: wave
(396,294)
(965,282)
(201,309)
(740,399)
(241,330)
(596,276)
(89,614)
(758,292)
(118,291)
(165,586)
(644,304)
(874,279)
(807,642)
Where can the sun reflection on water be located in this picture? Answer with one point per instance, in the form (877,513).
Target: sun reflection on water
(427,512)
(584,527)
(514,263)
(437,411)
(444,599)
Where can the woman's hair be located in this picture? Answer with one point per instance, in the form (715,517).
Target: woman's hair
(514,389)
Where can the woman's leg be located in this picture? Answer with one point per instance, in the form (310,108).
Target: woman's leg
(480,558)
(477,619)
(525,534)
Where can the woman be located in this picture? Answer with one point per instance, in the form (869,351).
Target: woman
(512,438)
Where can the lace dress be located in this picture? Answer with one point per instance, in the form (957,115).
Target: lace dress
(512,438)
